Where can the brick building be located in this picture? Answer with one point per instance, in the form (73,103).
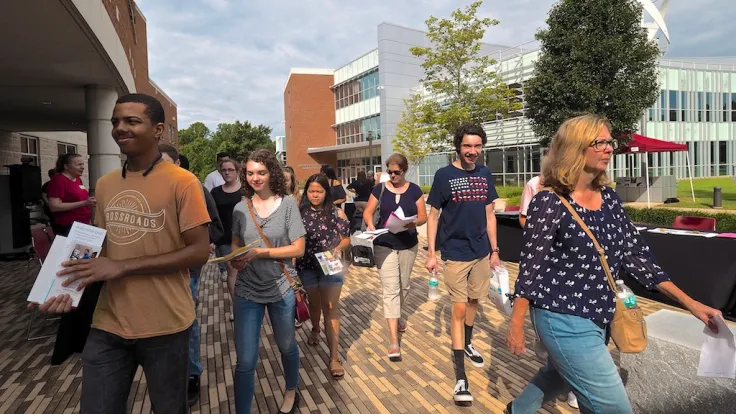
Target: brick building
(309,113)
(90,36)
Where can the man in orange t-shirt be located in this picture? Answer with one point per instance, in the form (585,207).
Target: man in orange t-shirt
(156,221)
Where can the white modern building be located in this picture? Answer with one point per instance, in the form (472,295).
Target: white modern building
(697,107)
(281,149)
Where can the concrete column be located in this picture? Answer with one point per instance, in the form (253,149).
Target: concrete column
(104,153)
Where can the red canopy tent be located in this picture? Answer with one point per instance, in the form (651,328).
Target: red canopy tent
(640,143)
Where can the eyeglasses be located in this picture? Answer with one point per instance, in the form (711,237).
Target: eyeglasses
(601,144)
(394,172)
(227,170)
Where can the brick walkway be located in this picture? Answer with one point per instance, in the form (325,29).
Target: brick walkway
(421,383)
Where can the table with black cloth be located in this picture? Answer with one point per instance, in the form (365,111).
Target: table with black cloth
(704,268)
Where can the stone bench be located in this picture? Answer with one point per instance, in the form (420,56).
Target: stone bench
(664,378)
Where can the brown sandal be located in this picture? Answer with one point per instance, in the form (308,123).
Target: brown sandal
(313,338)
(336,369)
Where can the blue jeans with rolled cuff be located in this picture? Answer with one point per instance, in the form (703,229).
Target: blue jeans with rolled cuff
(577,355)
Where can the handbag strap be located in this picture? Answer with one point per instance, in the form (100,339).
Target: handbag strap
(380,196)
(598,248)
(267,242)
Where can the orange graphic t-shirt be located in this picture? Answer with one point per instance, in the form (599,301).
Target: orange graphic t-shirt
(146,216)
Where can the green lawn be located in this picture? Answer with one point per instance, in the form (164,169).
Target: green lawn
(704,193)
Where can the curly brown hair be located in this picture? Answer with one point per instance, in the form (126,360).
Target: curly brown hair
(276,179)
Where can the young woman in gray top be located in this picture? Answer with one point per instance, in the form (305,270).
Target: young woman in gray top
(260,283)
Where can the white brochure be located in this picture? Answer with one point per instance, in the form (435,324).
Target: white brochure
(718,353)
(84,242)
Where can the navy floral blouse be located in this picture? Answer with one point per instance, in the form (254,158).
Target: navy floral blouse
(324,232)
(560,270)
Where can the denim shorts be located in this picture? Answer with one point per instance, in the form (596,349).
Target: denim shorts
(312,278)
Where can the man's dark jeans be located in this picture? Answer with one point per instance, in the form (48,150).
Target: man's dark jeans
(110,363)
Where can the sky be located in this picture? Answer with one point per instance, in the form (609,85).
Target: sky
(227,60)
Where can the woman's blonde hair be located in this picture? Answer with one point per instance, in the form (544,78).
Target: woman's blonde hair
(566,159)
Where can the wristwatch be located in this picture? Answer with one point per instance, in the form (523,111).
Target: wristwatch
(494,250)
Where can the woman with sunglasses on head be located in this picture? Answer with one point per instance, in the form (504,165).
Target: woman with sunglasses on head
(271,219)
(563,279)
(327,231)
(226,197)
(395,253)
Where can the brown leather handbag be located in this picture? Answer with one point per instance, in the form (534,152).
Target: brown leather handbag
(302,302)
(628,328)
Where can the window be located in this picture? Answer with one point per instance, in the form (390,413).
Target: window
(662,105)
(700,106)
(726,109)
(673,105)
(66,148)
(29,148)
(359,131)
(683,106)
(708,105)
(356,90)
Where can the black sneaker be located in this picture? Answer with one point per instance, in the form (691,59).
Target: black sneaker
(474,356)
(461,394)
(193,390)
(508,408)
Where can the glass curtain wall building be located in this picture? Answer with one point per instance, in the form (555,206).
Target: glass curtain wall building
(696,107)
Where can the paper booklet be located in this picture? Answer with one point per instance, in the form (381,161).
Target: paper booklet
(718,352)
(397,222)
(331,265)
(235,253)
(83,242)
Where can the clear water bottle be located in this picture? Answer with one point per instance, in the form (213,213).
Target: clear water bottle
(433,294)
(626,295)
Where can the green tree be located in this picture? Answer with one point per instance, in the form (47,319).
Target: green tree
(461,82)
(411,132)
(240,138)
(237,138)
(192,132)
(596,58)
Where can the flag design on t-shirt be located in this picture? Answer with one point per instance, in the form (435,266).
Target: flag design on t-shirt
(469,189)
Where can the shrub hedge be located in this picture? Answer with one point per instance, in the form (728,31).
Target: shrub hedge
(725,222)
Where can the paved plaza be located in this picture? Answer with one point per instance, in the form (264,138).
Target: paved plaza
(422,382)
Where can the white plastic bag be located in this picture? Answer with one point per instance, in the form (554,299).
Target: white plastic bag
(498,289)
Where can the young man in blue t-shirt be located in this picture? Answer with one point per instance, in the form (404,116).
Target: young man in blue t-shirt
(465,193)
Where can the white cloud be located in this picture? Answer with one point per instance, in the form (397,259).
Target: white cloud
(223,60)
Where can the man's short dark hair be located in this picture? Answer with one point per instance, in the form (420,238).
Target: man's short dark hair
(154,109)
(52,172)
(169,150)
(468,129)
(221,155)
(184,162)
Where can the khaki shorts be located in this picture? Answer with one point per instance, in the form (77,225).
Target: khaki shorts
(467,280)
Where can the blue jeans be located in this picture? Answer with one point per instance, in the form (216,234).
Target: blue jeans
(248,323)
(195,366)
(313,279)
(579,356)
(222,250)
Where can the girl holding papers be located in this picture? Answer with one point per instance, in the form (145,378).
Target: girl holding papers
(395,251)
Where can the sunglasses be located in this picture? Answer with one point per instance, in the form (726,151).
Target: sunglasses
(394,172)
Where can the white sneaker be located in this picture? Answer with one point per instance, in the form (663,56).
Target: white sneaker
(572,400)
(461,393)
